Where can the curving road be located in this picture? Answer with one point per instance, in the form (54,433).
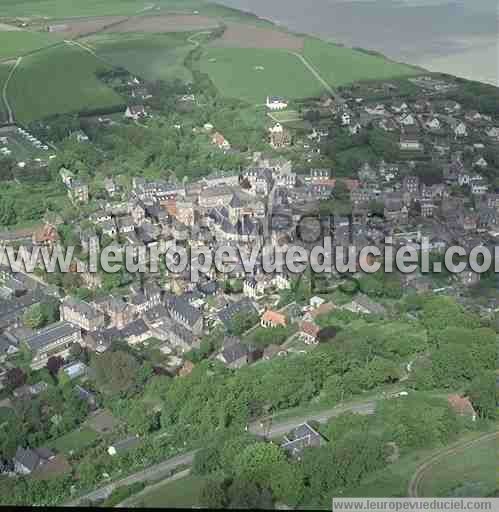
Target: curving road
(151,474)
(10,113)
(420,473)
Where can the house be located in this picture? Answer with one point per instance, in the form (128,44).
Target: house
(315,302)
(273,319)
(220,141)
(279,137)
(345,119)
(78,192)
(459,129)
(110,186)
(363,304)
(243,307)
(433,123)
(462,406)
(81,313)
(186,315)
(309,332)
(46,235)
(481,162)
(55,339)
(135,112)
(303,436)
(253,288)
(409,139)
(234,354)
(75,370)
(275,103)
(124,446)
(27,460)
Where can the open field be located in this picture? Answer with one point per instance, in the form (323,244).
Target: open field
(238,35)
(470,472)
(341,66)
(253,74)
(77,27)
(182,493)
(4,73)
(150,56)
(286,116)
(162,24)
(74,441)
(58,80)
(19,42)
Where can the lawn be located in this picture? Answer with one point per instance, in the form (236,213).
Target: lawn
(287,116)
(471,472)
(251,74)
(75,441)
(56,81)
(150,56)
(341,66)
(182,493)
(19,42)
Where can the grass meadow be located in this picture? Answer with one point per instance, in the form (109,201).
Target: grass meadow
(252,74)
(151,56)
(341,66)
(58,80)
(14,43)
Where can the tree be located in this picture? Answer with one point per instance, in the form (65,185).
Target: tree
(34,316)
(15,378)
(246,494)
(212,493)
(75,350)
(206,460)
(116,371)
(54,364)
(258,460)
(482,393)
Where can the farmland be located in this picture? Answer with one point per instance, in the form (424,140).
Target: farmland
(18,42)
(341,66)
(4,73)
(252,74)
(58,80)
(153,57)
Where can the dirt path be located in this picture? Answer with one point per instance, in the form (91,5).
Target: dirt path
(319,78)
(420,473)
(10,113)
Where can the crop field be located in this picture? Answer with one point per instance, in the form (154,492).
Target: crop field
(58,80)
(341,66)
(253,74)
(18,42)
(77,27)
(150,56)
(238,35)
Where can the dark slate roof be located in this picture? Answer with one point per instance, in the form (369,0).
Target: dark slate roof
(27,457)
(51,334)
(4,344)
(235,352)
(244,305)
(182,307)
(208,288)
(135,328)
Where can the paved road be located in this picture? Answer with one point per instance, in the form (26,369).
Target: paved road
(436,458)
(10,113)
(279,428)
(151,474)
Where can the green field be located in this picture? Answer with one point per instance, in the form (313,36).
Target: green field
(471,472)
(4,73)
(75,441)
(68,8)
(341,66)
(21,148)
(19,42)
(182,493)
(237,73)
(150,56)
(58,80)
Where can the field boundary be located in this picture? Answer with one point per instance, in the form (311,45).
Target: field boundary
(420,473)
